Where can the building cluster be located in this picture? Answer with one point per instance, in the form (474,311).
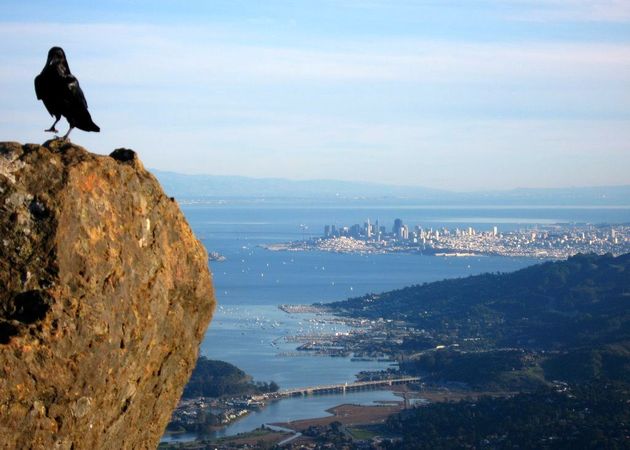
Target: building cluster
(559,241)
(191,413)
(370,231)
(549,241)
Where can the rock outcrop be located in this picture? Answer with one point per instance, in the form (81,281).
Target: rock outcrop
(105,295)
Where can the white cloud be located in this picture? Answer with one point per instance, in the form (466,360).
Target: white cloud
(573,10)
(164,55)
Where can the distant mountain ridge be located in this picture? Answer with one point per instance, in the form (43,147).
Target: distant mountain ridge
(238,186)
(199,186)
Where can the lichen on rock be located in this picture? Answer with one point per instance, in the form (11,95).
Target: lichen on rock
(105,295)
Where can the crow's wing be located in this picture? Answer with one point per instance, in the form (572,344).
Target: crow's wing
(40,86)
(43,92)
(75,95)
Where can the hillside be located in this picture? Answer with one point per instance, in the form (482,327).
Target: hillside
(582,301)
(558,333)
(593,416)
(211,378)
(564,320)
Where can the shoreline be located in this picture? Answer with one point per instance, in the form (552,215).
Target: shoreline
(300,246)
(347,414)
(350,414)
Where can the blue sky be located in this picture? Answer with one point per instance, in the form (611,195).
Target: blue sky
(456,95)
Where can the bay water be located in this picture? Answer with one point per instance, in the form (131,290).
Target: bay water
(249,330)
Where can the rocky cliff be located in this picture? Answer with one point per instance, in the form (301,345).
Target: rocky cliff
(105,295)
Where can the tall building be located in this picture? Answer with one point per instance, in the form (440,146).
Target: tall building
(398,223)
(495,231)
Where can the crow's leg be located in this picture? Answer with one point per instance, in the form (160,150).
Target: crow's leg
(52,128)
(65,137)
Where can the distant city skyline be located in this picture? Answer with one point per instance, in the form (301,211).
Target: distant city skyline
(447,95)
(550,240)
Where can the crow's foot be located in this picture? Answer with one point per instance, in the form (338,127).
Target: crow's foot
(52,130)
(65,137)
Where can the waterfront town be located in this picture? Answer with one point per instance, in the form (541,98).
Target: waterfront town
(365,340)
(555,241)
(362,425)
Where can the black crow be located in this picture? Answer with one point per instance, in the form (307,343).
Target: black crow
(61,93)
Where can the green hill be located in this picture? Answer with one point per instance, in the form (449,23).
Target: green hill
(559,332)
(589,416)
(211,378)
(564,320)
(582,301)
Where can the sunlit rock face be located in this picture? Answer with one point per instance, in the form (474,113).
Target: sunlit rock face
(105,295)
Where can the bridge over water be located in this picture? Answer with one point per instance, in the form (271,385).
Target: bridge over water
(336,388)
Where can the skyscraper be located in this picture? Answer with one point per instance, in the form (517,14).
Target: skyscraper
(404,232)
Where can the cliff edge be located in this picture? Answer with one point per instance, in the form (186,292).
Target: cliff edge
(105,295)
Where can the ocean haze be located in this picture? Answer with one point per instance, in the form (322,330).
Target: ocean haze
(218,186)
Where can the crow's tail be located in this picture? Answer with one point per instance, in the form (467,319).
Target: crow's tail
(85,123)
(92,127)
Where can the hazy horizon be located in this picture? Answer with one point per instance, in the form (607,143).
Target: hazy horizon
(492,96)
(337,180)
